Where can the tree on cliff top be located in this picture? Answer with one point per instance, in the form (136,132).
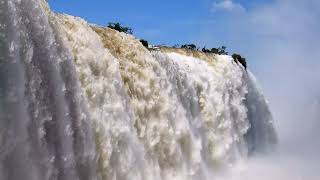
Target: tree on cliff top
(237,58)
(221,50)
(120,28)
(145,43)
(189,46)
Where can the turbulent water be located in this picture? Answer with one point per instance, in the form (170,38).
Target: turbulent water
(82,102)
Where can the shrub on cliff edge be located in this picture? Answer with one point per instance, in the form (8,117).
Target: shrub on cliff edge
(120,28)
(237,58)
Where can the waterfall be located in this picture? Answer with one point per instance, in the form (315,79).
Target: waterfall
(46,131)
(83,102)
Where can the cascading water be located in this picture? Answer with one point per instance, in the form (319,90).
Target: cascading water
(46,131)
(83,102)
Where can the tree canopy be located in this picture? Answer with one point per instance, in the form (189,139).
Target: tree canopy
(120,28)
(189,46)
(145,43)
(221,50)
(237,58)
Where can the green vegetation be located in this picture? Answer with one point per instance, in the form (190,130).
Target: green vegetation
(237,58)
(189,46)
(120,28)
(220,50)
(145,43)
(205,50)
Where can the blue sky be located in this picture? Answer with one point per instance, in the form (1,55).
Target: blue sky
(159,21)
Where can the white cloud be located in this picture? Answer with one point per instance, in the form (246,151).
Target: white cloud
(227,5)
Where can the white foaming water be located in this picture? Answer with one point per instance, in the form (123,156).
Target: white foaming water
(82,102)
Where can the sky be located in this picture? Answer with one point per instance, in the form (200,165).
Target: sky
(159,21)
(279,38)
